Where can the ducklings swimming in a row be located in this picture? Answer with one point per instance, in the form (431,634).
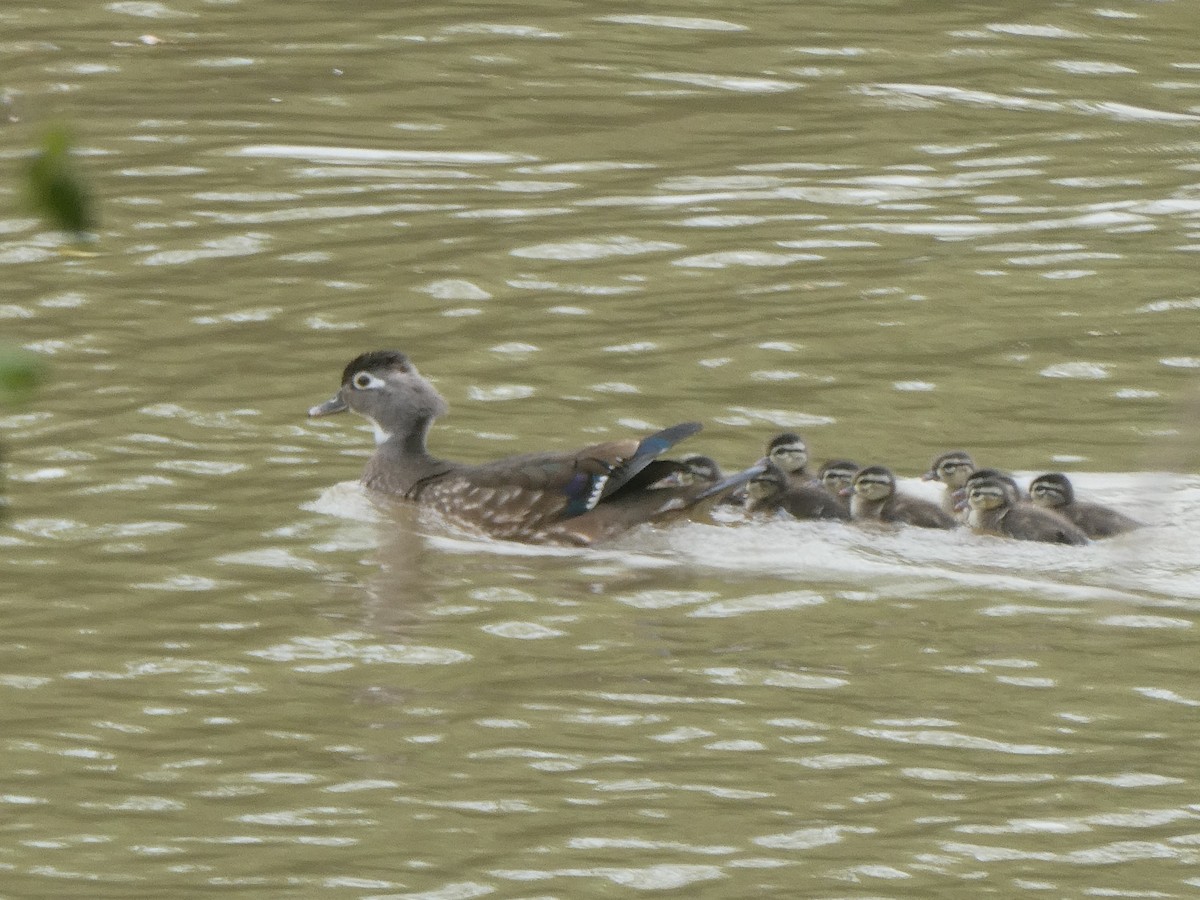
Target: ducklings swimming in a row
(986,500)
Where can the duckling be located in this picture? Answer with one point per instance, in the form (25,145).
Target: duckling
(771,491)
(995,507)
(1012,490)
(837,475)
(951,469)
(575,497)
(693,469)
(1054,491)
(874,497)
(789,453)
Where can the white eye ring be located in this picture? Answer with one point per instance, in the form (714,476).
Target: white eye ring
(365,381)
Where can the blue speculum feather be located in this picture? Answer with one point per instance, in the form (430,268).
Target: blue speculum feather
(582,492)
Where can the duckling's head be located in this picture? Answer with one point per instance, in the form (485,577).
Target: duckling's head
(766,484)
(701,469)
(1051,490)
(694,469)
(385,388)
(874,483)
(951,469)
(990,489)
(837,474)
(788,451)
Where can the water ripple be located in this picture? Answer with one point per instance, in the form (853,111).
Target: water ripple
(617,245)
(346,647)
(361,154)
(957,740)
(810,838)
(687,23)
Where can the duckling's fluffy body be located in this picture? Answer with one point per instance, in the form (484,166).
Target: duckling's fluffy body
(772,491)
(874,498)
(1055,492)
(995,507)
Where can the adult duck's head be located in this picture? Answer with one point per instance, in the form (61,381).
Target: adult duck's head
(386,389)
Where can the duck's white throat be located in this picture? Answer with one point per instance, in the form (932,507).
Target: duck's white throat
(381,436)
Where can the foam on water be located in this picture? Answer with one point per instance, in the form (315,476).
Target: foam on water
(1156,565)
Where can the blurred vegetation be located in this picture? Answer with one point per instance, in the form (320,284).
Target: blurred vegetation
(54,189)
(20,372)
(57,193)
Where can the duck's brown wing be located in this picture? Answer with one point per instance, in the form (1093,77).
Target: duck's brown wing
(519,497)
(653,504)
(524,497)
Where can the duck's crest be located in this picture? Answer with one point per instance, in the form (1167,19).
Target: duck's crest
(375,359)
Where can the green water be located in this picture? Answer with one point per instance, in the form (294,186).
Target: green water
(895,227)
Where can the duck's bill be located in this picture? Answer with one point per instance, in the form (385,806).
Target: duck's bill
(334,404)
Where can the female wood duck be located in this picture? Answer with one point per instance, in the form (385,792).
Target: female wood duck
(995,507)
(951,469)
(577,497)
(874,496)
(1054,491)
(771,491)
